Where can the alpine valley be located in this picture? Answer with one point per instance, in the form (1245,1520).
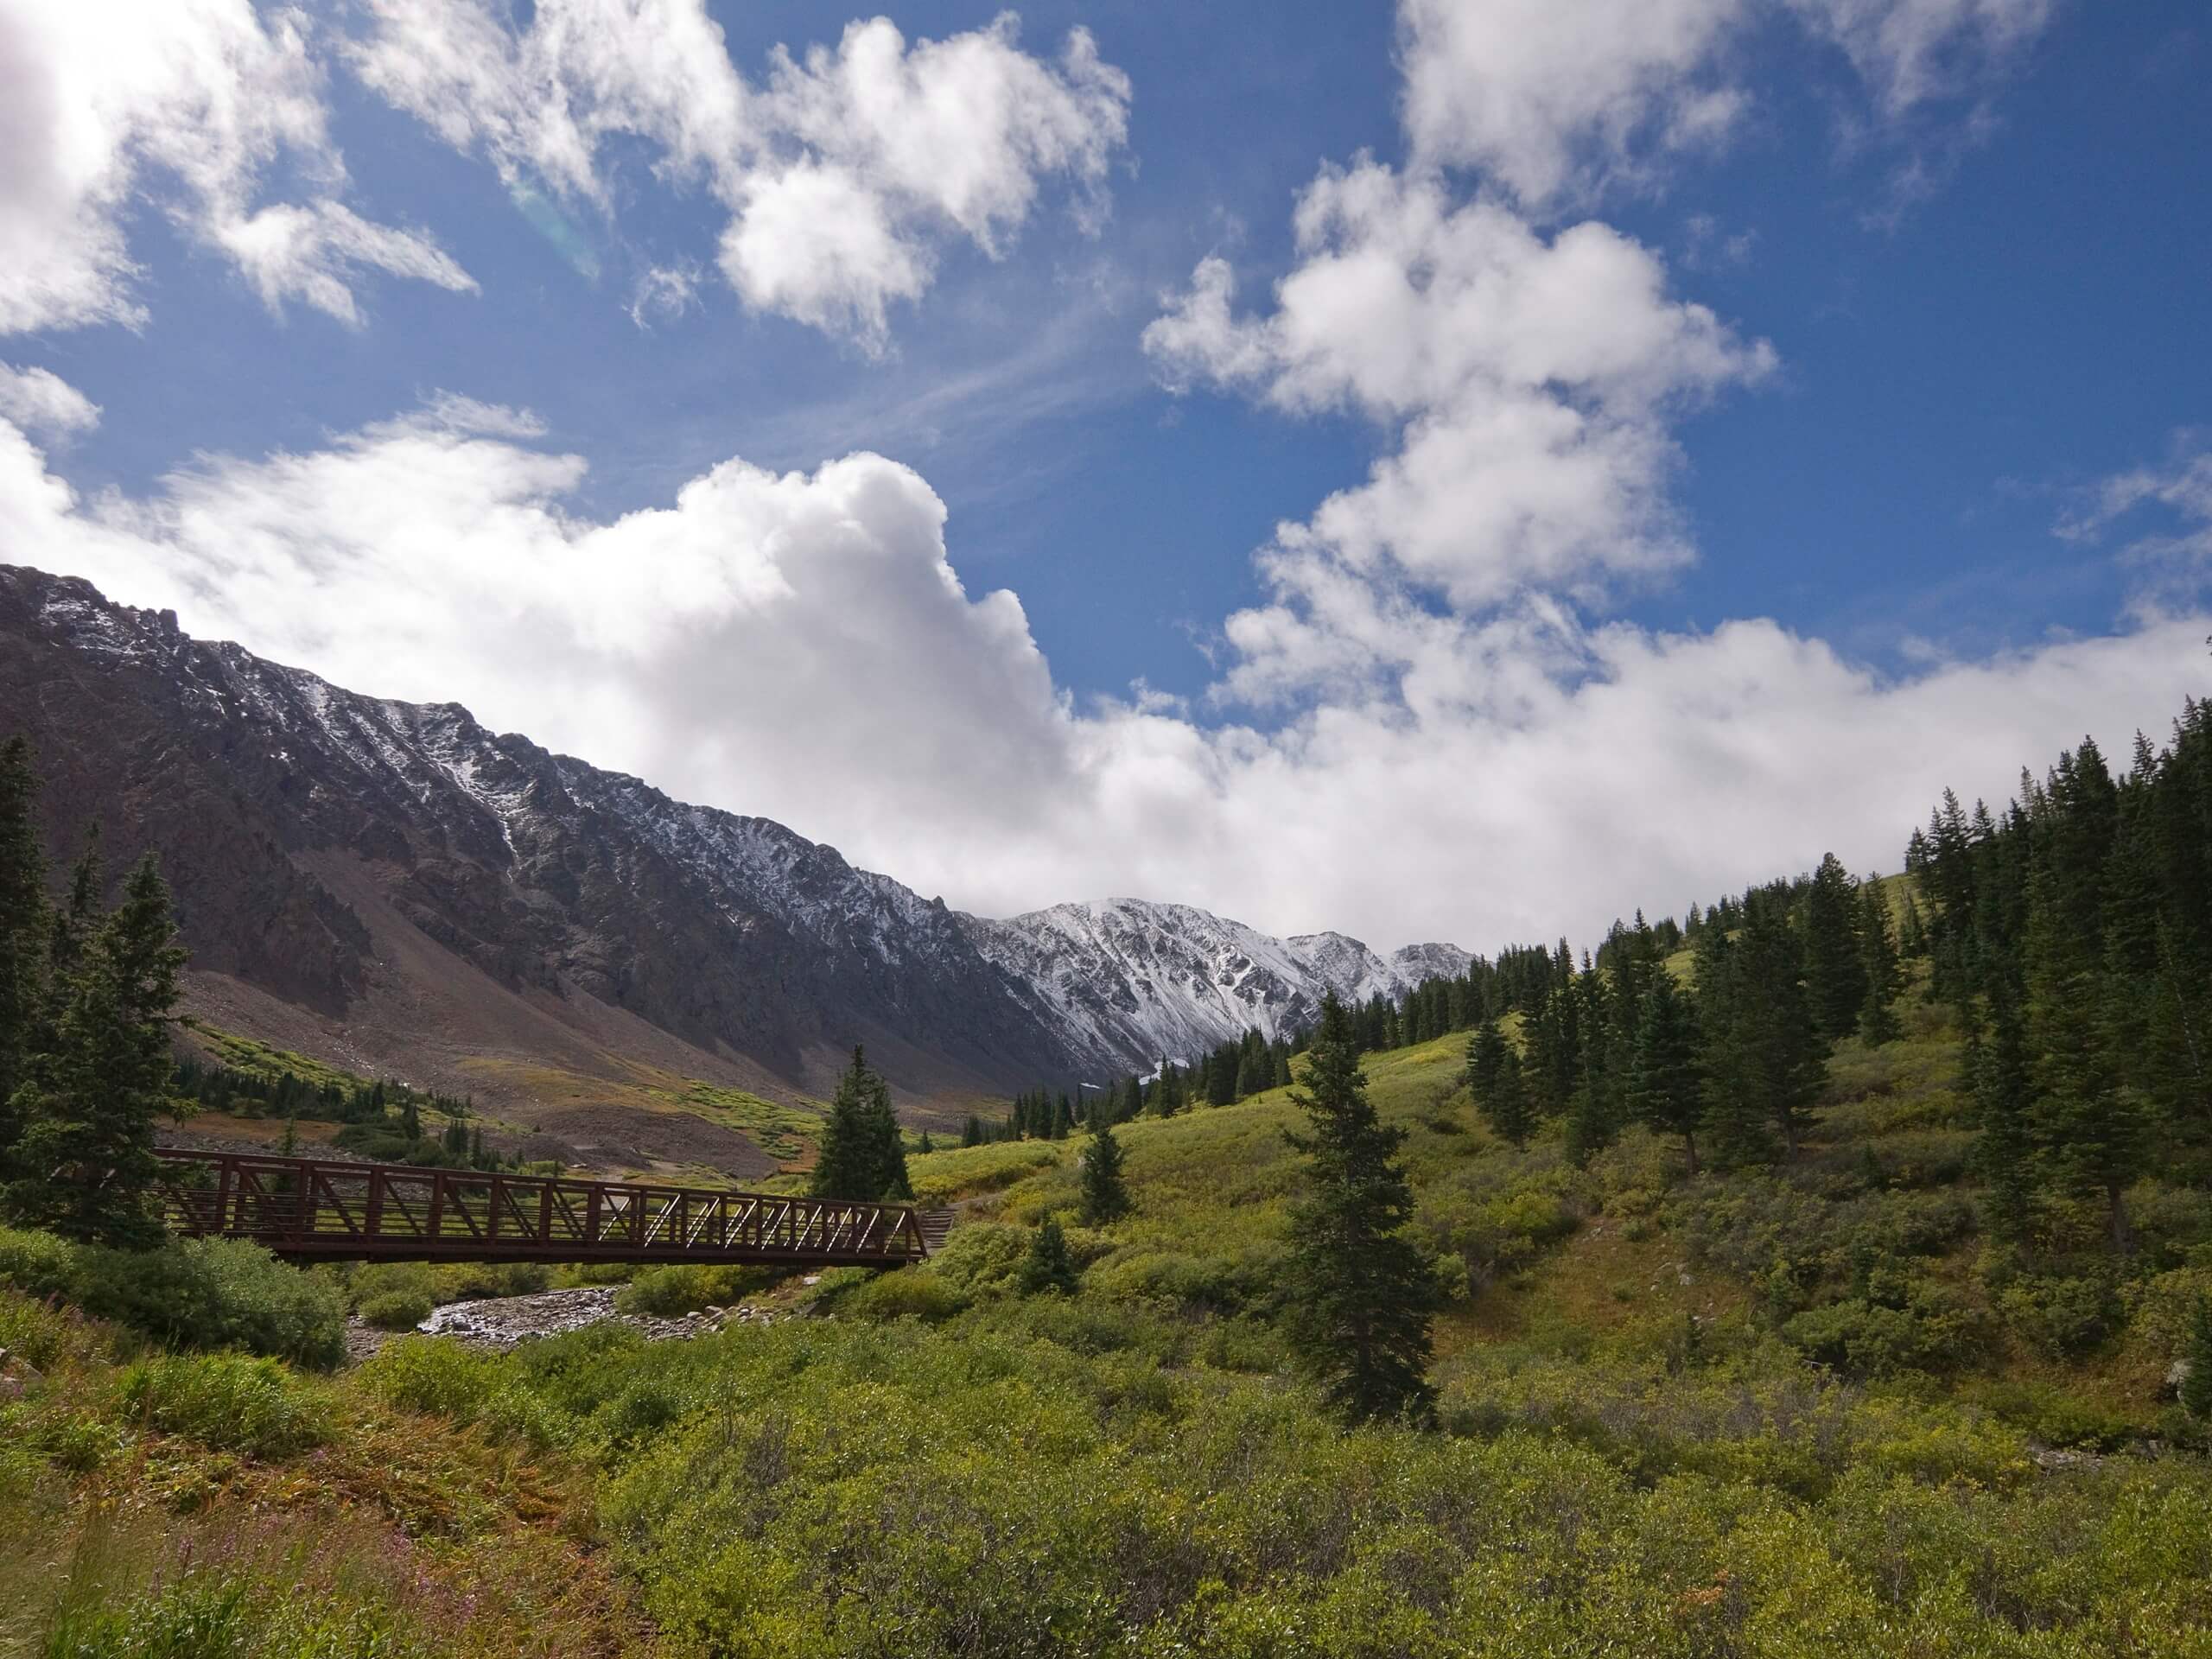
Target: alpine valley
(394,888)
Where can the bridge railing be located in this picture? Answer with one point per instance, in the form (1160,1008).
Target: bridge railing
(308,1207)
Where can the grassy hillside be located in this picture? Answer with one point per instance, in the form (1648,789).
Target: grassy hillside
(1793,1410)
(1555,1262)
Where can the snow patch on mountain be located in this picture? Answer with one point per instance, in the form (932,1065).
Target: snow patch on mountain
(1114,985)
(1128,979)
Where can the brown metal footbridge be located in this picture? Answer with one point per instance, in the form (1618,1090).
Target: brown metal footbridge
(311,1208)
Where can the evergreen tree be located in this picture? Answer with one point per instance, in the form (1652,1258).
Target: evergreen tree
(863,1154)
(2093,1131)
(1167,1092)
(1878,952)
(1500,1090)
(1776,1041)
(1048,1265)
(1360,1296)
(70,927)
(1665,1089)
(2197,1381)
(1105,1194)
(1912,933)
(2003,1151)
(85,1158)
(22,930)
(1835,968)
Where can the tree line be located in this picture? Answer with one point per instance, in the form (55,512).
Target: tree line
(87,996)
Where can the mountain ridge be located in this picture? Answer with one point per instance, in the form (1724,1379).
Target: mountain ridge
(392,872)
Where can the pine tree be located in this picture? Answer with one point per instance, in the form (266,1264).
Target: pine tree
(2197,1381)
(2003,1151)
(70,926)
(1167,1092)
(863,1154)
(2093,1131)
(1835,968)
(1048,1265)
(1360,1296)
(1877,953)
(1105,1194)
(1501,1092)
(1912,932)
(1665,1087)
(22,931)
(1778,1042)
(84,1160)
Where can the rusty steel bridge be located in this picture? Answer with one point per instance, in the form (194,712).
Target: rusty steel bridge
(312,1209)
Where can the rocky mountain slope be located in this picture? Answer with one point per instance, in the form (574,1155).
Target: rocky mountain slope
(395,883)
(1129,977)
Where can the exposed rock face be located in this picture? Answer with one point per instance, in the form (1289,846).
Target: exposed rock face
(399,871)
(1127,978)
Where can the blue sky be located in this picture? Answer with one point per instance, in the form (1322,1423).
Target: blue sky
(1910,331)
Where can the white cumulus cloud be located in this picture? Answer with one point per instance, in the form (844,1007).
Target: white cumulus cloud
(185,105)
(843,174)
(800,644)
(38,401)
(1528,381)
(1553,100)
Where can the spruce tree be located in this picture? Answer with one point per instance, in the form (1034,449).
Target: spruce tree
(22,931)
(1048,1265)
(2004,1150)
(1359,1295)
(863,1154)
(1835,968)
(1501,1091)
(85,1162)
(1665,1087)
(1776,1039)
(1877,953)
(2197,1355)
(1105,1194)
(2094,1131)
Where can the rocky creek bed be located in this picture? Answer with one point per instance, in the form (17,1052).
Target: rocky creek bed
(504,1322)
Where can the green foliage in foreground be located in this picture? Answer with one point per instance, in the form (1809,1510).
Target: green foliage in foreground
(198,1292)
(1073,1485)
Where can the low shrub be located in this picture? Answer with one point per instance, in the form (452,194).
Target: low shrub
(38,1264)
(908,1293)
(2060,1317)
(1928,1329)
(423,1374)
(216,1292)
(2048,1413)
(228,1402)
(982,1257)
(396,1310)
(685,1287)
(193,1293)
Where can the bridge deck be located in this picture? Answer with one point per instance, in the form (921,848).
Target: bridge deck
(325,1210)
